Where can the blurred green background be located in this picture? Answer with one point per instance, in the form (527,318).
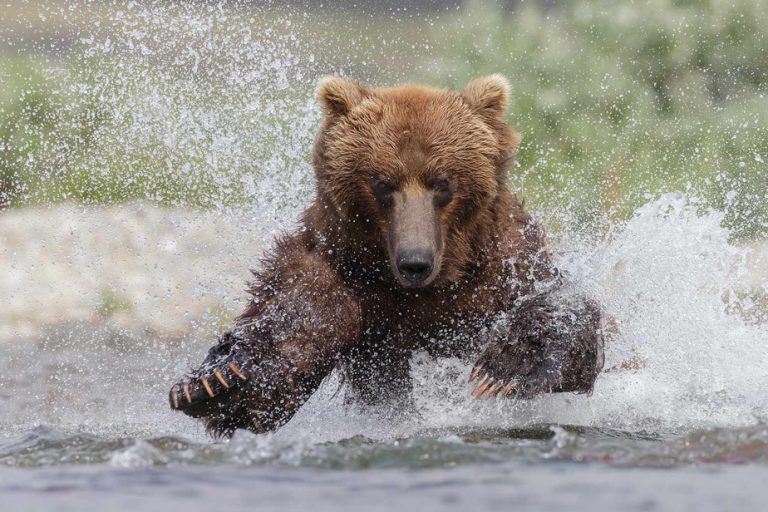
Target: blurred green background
(195,104)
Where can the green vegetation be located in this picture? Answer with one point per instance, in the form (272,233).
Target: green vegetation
(616,101)
(37,127)
(111,303)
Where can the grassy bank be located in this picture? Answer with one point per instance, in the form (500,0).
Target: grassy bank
(615,100)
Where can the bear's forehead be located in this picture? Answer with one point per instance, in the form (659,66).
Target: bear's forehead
(425,112)
(418,127)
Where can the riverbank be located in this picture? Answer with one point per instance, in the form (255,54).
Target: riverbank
(132,270)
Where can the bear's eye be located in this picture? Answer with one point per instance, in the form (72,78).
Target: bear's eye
(443,191)
(382,190)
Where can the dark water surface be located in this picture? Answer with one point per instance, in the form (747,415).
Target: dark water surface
(537,468)
(506,486)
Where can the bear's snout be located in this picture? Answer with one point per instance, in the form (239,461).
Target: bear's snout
(415,265)
(415,236)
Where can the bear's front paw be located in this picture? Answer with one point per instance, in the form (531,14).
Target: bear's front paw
(240,386)
(520,369)
(544,347)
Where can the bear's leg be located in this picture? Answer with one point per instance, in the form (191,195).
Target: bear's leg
(549,343)
(301,321)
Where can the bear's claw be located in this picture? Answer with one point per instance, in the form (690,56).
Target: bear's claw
(209,382)
(489,386)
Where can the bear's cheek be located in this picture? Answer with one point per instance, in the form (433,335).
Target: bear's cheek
(461,213)
(363,206)
(343,187)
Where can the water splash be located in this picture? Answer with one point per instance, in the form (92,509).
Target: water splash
(681,360)
(666,278)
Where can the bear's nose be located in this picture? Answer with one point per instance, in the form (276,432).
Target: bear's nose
(415,265)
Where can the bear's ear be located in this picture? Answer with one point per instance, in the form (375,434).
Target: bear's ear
(488,95)
(339,95)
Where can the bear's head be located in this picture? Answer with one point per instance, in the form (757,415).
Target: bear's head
(420,170)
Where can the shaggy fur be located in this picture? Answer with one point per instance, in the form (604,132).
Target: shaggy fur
(330,295)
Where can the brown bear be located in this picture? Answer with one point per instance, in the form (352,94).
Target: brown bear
(414,242)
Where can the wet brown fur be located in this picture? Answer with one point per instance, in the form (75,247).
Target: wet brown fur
(327,295)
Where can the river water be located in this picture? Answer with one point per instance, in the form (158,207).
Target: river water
(511,484)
